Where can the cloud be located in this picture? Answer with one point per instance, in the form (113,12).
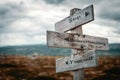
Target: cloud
(26,21)
(109,10)
(21,39)
(54,1)
(8,14)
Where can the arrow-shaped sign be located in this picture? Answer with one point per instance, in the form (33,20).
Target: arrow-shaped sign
(73,62)
(78,18)
(76,41)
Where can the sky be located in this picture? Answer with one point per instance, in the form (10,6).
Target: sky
(25,22)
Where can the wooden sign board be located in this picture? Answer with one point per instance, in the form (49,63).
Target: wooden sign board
(79,18)
(86,60)
(76,41)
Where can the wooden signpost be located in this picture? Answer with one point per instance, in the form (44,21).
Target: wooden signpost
(76,41)
(73,21)
(73,62)
(83,46)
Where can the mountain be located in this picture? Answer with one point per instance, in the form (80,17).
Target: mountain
(114,49)
(44,50)
(33,49)
(115,46)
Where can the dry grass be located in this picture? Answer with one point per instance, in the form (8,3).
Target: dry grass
(43,68)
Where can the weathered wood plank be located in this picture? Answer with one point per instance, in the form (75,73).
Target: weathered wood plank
(79,74)
(76,41)
(74,62)
(78,18)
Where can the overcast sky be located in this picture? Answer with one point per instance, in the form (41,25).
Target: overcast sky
(26,21)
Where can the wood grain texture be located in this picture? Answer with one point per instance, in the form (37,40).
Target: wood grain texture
(78,61)
(78,18)
(76,41)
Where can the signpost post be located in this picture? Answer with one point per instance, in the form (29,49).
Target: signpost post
(78,74)
(78,42)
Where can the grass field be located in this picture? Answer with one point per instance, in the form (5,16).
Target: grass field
(43,68)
